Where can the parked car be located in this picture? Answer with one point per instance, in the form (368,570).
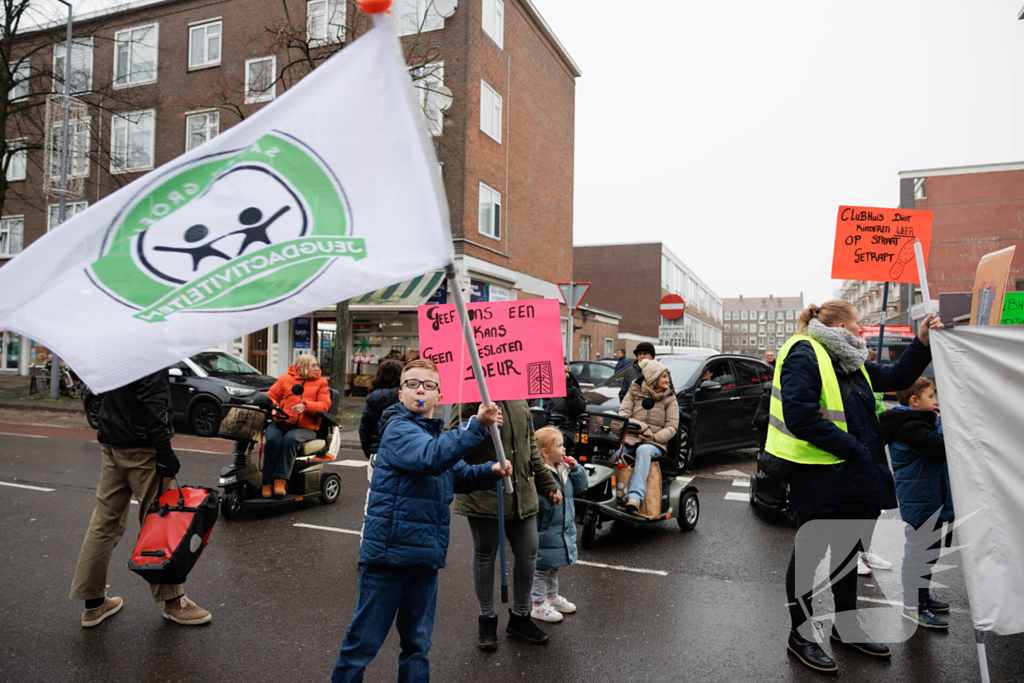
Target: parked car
(200,388)
(590,373)
(716,414)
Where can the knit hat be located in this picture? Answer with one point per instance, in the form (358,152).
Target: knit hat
(652,370)
(644,346)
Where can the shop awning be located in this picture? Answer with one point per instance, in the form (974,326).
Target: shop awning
(414,292)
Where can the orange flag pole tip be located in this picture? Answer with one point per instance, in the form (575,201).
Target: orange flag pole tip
(374,6)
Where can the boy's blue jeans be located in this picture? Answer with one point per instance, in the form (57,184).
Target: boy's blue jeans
(384,593)
(638,481)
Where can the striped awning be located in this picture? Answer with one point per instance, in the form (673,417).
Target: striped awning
(414,292)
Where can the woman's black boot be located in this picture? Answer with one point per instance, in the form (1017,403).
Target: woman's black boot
(488,638)
(523,628)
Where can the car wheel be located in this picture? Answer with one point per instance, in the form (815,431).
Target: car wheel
(231,504)
(689,510)
(330,489)
(92,411)
(205,418)
(589,531)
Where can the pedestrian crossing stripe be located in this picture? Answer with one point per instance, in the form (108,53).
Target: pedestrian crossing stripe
(349,463)
(735,495)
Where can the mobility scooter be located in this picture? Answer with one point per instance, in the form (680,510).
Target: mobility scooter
(242,480)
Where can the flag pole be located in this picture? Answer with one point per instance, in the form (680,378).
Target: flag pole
(923,277)
(881,320)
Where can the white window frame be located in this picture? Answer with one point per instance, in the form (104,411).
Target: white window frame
(205,25)
(585,344)
(789,315)
(23,74)
(5,228)
(495,199)
(490,111)
(79,146)
(728,315)
(16,147)
(609,347)
(789,328)
(188,128)
(333,18)
(744,326)
(71,209)
(493,22)
(77,44)
(115,167)
(430,76)
(119,40)
(920,192)
(271,92)
(743,315)
(403,14)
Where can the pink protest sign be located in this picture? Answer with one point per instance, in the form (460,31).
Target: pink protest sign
(520,346)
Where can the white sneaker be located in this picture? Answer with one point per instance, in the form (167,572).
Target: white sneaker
(862,568)
(545,612)
(562,605)
(875,562)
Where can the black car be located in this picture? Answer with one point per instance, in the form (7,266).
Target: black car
(717,413)
(200,387)
(590,373)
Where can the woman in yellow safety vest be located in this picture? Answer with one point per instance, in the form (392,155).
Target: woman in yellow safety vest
(825,439)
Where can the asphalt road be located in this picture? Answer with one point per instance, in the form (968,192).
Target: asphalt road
(708,605)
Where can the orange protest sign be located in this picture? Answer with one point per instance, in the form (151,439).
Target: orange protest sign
(878,244)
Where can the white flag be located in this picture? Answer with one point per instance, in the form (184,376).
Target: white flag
(329,192)
(981,389)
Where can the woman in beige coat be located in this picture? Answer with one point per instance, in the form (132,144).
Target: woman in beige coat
(657,425)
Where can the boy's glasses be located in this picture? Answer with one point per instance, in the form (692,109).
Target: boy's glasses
(415,384)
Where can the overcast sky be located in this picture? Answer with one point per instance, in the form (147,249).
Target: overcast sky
(732,131)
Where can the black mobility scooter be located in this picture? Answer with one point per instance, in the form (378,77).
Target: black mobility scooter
(242,480)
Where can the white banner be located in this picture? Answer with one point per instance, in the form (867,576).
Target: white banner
(328,192)
(981,390)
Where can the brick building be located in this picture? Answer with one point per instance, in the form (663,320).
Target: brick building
(631,279)
(756,325)
(595,334)
(187,70)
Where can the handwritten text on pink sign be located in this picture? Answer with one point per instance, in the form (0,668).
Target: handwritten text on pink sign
(520,346)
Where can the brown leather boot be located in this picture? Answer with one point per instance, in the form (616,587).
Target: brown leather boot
(280,487)
(267,490)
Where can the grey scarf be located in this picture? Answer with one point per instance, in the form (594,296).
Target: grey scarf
(846,349)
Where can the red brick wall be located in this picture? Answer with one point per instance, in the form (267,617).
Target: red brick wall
(598,332)
(975,213)
(625,280)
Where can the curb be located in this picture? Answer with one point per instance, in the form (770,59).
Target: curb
(31,404)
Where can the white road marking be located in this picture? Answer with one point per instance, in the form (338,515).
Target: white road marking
(27,436)
(736,495)
(744,483)
(898,603)
(636,570)
(25,486)
(196,450)
(732,473)
(349,463)
(330,528)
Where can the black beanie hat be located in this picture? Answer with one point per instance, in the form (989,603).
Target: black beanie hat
(644,346)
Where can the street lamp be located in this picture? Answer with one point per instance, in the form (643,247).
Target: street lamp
(62,201)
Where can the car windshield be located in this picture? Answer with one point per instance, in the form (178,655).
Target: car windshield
(891,350)
(218,363)
(680,370)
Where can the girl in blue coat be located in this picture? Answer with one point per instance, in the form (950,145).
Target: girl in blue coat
(556,527)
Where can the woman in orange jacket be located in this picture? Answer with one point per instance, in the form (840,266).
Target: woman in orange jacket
(301,394)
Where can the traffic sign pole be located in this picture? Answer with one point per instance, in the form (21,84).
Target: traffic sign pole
(572,295)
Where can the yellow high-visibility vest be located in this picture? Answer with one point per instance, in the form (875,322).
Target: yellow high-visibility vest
(781,442)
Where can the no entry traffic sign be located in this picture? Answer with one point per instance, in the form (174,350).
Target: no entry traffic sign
(672,307)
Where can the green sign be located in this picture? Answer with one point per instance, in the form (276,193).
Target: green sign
(1013,309)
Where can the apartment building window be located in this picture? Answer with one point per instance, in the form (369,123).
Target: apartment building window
(131,141)
(490,211)
(81,66)
(260,79)
(743,315)
(771,328)
(22,74)
(789,328)
(728,315)
(608,347)
(17,160)
(204,41)
(919,191)
(416,16)
(753,341)
(71,209)
(79,142)
(325,21)
(12,229)
(584,347)
(201,127)
(429,79)
(494,21)
(743,327)
(760,329)
(490,111)
(135,55)
(789,315)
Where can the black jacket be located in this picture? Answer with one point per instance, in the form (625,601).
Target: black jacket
(764,407)
(571,405)
(377,402)
(915,428)
(863,483)
(138,414)
(632,373)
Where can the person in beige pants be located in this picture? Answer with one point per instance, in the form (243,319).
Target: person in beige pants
(136,458)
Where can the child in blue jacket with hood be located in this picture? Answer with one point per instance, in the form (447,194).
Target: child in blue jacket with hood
(913,431)
(405,537)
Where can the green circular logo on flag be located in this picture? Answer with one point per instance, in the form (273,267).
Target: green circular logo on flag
(234,231)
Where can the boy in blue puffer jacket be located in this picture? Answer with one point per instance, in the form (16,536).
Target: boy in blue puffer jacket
(405,537)
(913,431)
